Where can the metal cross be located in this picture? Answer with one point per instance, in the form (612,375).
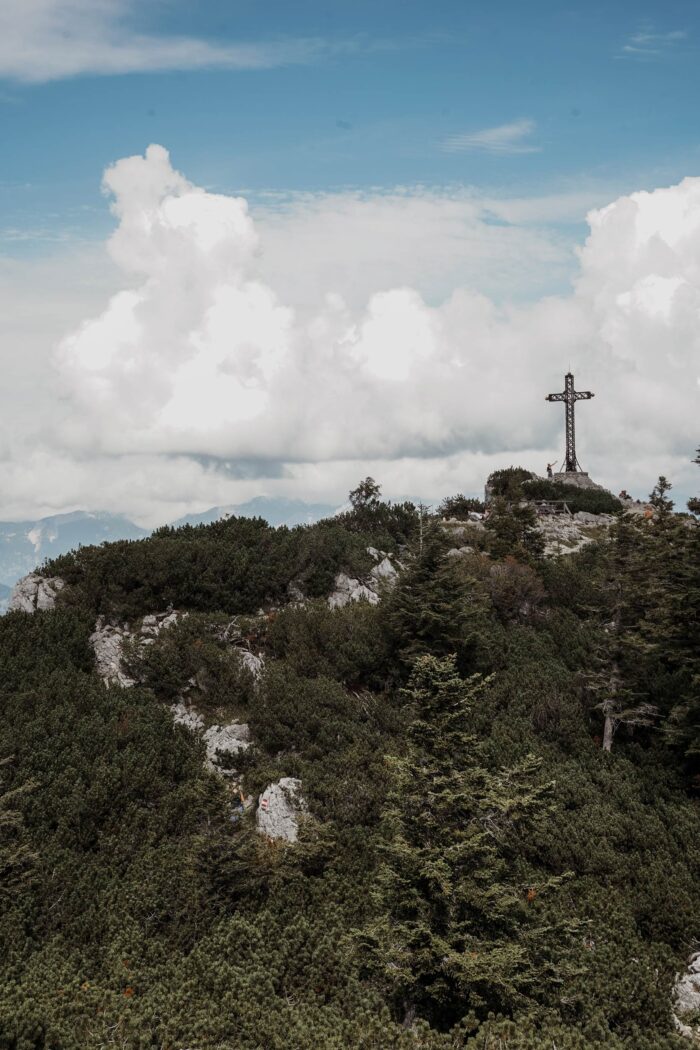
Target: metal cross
(570,397)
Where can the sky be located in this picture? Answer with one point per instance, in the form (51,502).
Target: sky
(255,249)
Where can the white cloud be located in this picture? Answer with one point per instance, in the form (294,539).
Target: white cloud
(217,372)
(506,138)
(646,43)
(430,239)
(43,40)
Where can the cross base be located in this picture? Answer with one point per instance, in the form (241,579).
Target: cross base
(579,478)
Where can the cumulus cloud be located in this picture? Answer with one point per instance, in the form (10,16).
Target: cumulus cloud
(233,362)
(43,40)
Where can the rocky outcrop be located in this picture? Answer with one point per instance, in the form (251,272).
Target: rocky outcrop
(187,717)
(35,593)
(383,572)
(108,642)
(566,534)
(220,741)
(279,809)
(348,590)
(686,1000)
(225,740)
(253,663)
(578,479)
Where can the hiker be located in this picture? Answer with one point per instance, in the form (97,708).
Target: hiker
(549,468)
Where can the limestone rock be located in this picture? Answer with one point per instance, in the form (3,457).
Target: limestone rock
(349,590)
(686,1000)
(254,663)
(568,533)
(584,517)
(384,572)
(225,740)
(578,478)
(219,740)
(35,592)
(459,552)
(187,717)
(107,642)
(279,808)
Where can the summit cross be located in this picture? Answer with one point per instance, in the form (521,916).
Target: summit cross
(570,396)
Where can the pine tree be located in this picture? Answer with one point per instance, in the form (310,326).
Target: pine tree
(459,923)
(429,609)
(694,501)
(624,583)
(676,623)
(659,499)
(512,530)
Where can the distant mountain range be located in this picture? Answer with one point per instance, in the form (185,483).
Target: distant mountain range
(26,544)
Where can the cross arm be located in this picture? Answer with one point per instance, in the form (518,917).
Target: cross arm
(583,395)
(555,397)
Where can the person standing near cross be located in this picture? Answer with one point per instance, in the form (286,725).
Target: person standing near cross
(570,396)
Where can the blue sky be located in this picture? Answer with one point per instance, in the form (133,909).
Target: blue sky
(448,204)
(364,95)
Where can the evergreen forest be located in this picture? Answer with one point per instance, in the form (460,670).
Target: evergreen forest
(500,759)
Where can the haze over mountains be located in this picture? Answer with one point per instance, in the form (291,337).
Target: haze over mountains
(25,544)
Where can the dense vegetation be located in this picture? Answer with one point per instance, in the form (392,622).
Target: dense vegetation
(500,761)
(515,483)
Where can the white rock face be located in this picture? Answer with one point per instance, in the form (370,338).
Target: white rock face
(219,740)
(686,999)
(108,643)
(225,740)
(279,808)
(562,535)
(579,479)
(254,663)
(187,717)
(384,572)
(34,592)
(459,552)
(349,590)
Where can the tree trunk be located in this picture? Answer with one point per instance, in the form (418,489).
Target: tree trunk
(608,733)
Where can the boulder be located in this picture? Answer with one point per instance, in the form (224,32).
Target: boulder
(279,808)
(187,717)
(35,593)
(229,739)
(107,642)
(459,552)
(578,478)
(349,590)
(384,572)
(686,1000)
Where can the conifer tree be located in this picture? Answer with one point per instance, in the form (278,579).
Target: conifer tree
(694,501)
(428,610)
(459,926)
(624,584)
(512,529)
